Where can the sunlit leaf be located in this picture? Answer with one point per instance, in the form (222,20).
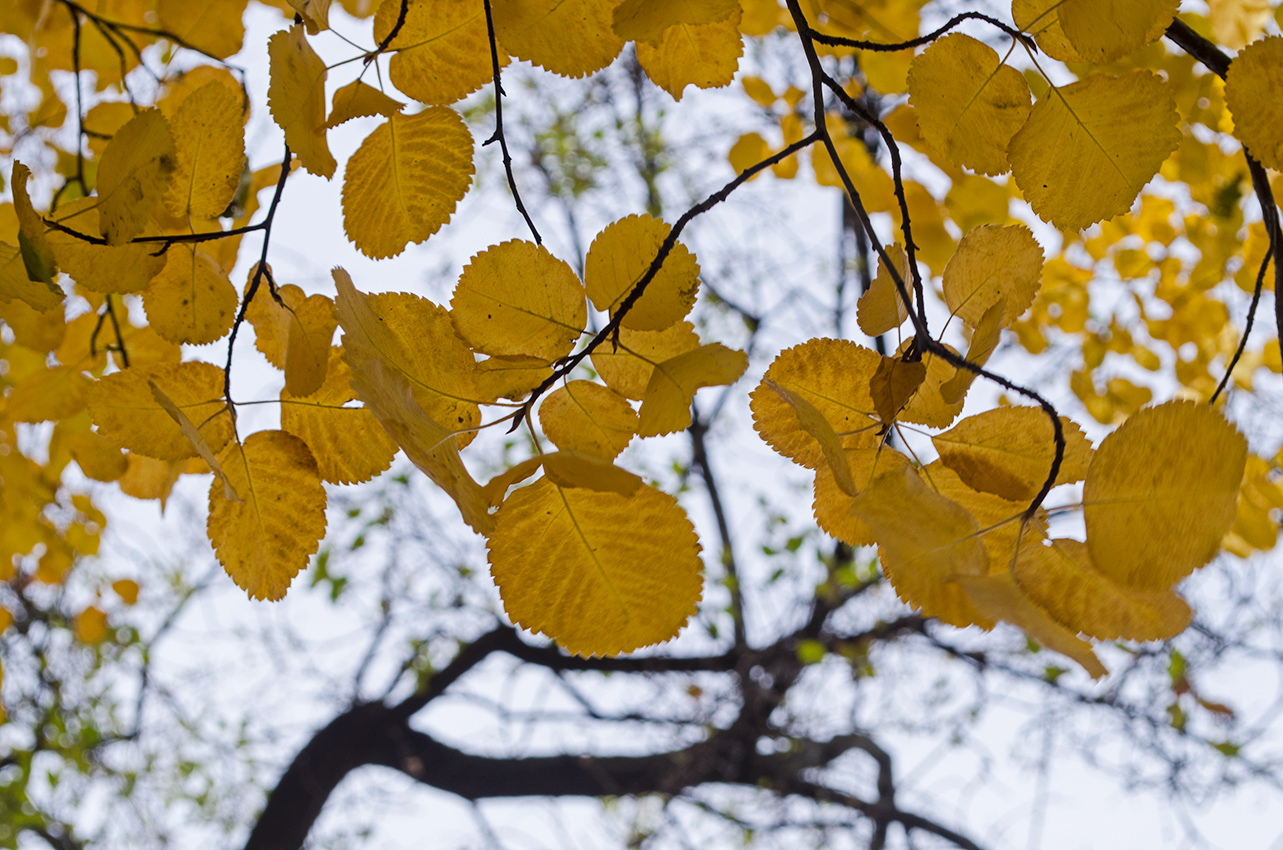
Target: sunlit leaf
(296,97)
(442,52)
(702,55)
(1008,451)
(618,259)
(535,30)
(210,143)
(666,404)
(133,175)
(587,417)
(125,411)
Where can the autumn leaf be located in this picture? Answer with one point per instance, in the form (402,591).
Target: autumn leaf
(133,175)
(209,141)
(618,259)
(296,97)
(666,404)
(1131,25)
(112,269)
(191,301)
(196,438)
(627,369)
(264,540)
(646,20)
(214,26)
(360,100)
(589,587)
(442,52)
(587,417)
(881,309)
(1008,451)
(535,30)
(125,411)
(404,181)
(702,55)
(993,263)
(1252,89)
(37,257)
(832,504)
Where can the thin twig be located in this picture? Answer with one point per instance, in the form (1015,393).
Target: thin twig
(498,135)
(1247,329)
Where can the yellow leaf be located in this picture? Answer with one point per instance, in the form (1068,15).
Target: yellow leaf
(359,100)
(587,417)
(296,97)
(112,269)
(928,406)
(618,259)
(893,384)
(349,444)
(42,332)
(148,478)
(968,103)
(814,423)
(48,394)
(415,338)
(921,558)
(993,263)
(442,52)
(213,26)
(1060,579)
(881,309)
(37,257)
(98,458)
(832,506)
(429,446)
(125,411)
(1253,92)
(404,181)
(1041,18)
(646,20)
(266,539)
(536,30)
(666,404)
(315,14)
(509,377)
(833,375)
(987,335)
(307,350)
(702,55)
(1000,598)
(748,150)
(627,370)
(1008,451)
(1089,148)
(593,589)
(191,301)
(210,143)
(576,469)
(1002,522)
(517,299)
(15,283)
(90,625)
(133,175)
(1237,23)
(126,589)
(1105,30)
(1161,491)
(197,440)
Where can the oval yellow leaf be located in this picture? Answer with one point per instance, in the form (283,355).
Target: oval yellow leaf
(609,574)
(191,301)
(618,259)
(265,539)
(536,30)
(666,404)
(133,175)
(442,52)
(881,309)
(359,100)
(832,506)
(626,369)
(1041,19)
(125,411)
(1105,30)
(993,263)
(646,20)
(967,102)
(1008,451)
(209,138)
(1254,94)
(1161,492)
(587,417)
(1089,148)
(702,55)
(296,98)
(404,181)
(517,299)
(1061,580)
(348,443)
(833,375)
(112,269)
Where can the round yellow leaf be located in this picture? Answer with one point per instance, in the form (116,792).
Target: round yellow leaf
(1089,148)
(1161,491)
(587,417)
(833,375)
(348,443)
(1041,19)
(968,103)
(191,301)
(539,31)
(599,572)
(405,179)
(1105,30)
(265,539)
(649,20)
(126,412)
(618,259)
(517,299)
(703,55)
(133,174)
(993,263)
(90,625)
(627,368)
(881,309)
(97,457)
(210,142)
(1008,451)
(100,268)
(1254,93)
(442,52)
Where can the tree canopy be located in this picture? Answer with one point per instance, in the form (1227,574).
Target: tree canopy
(1084,177)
